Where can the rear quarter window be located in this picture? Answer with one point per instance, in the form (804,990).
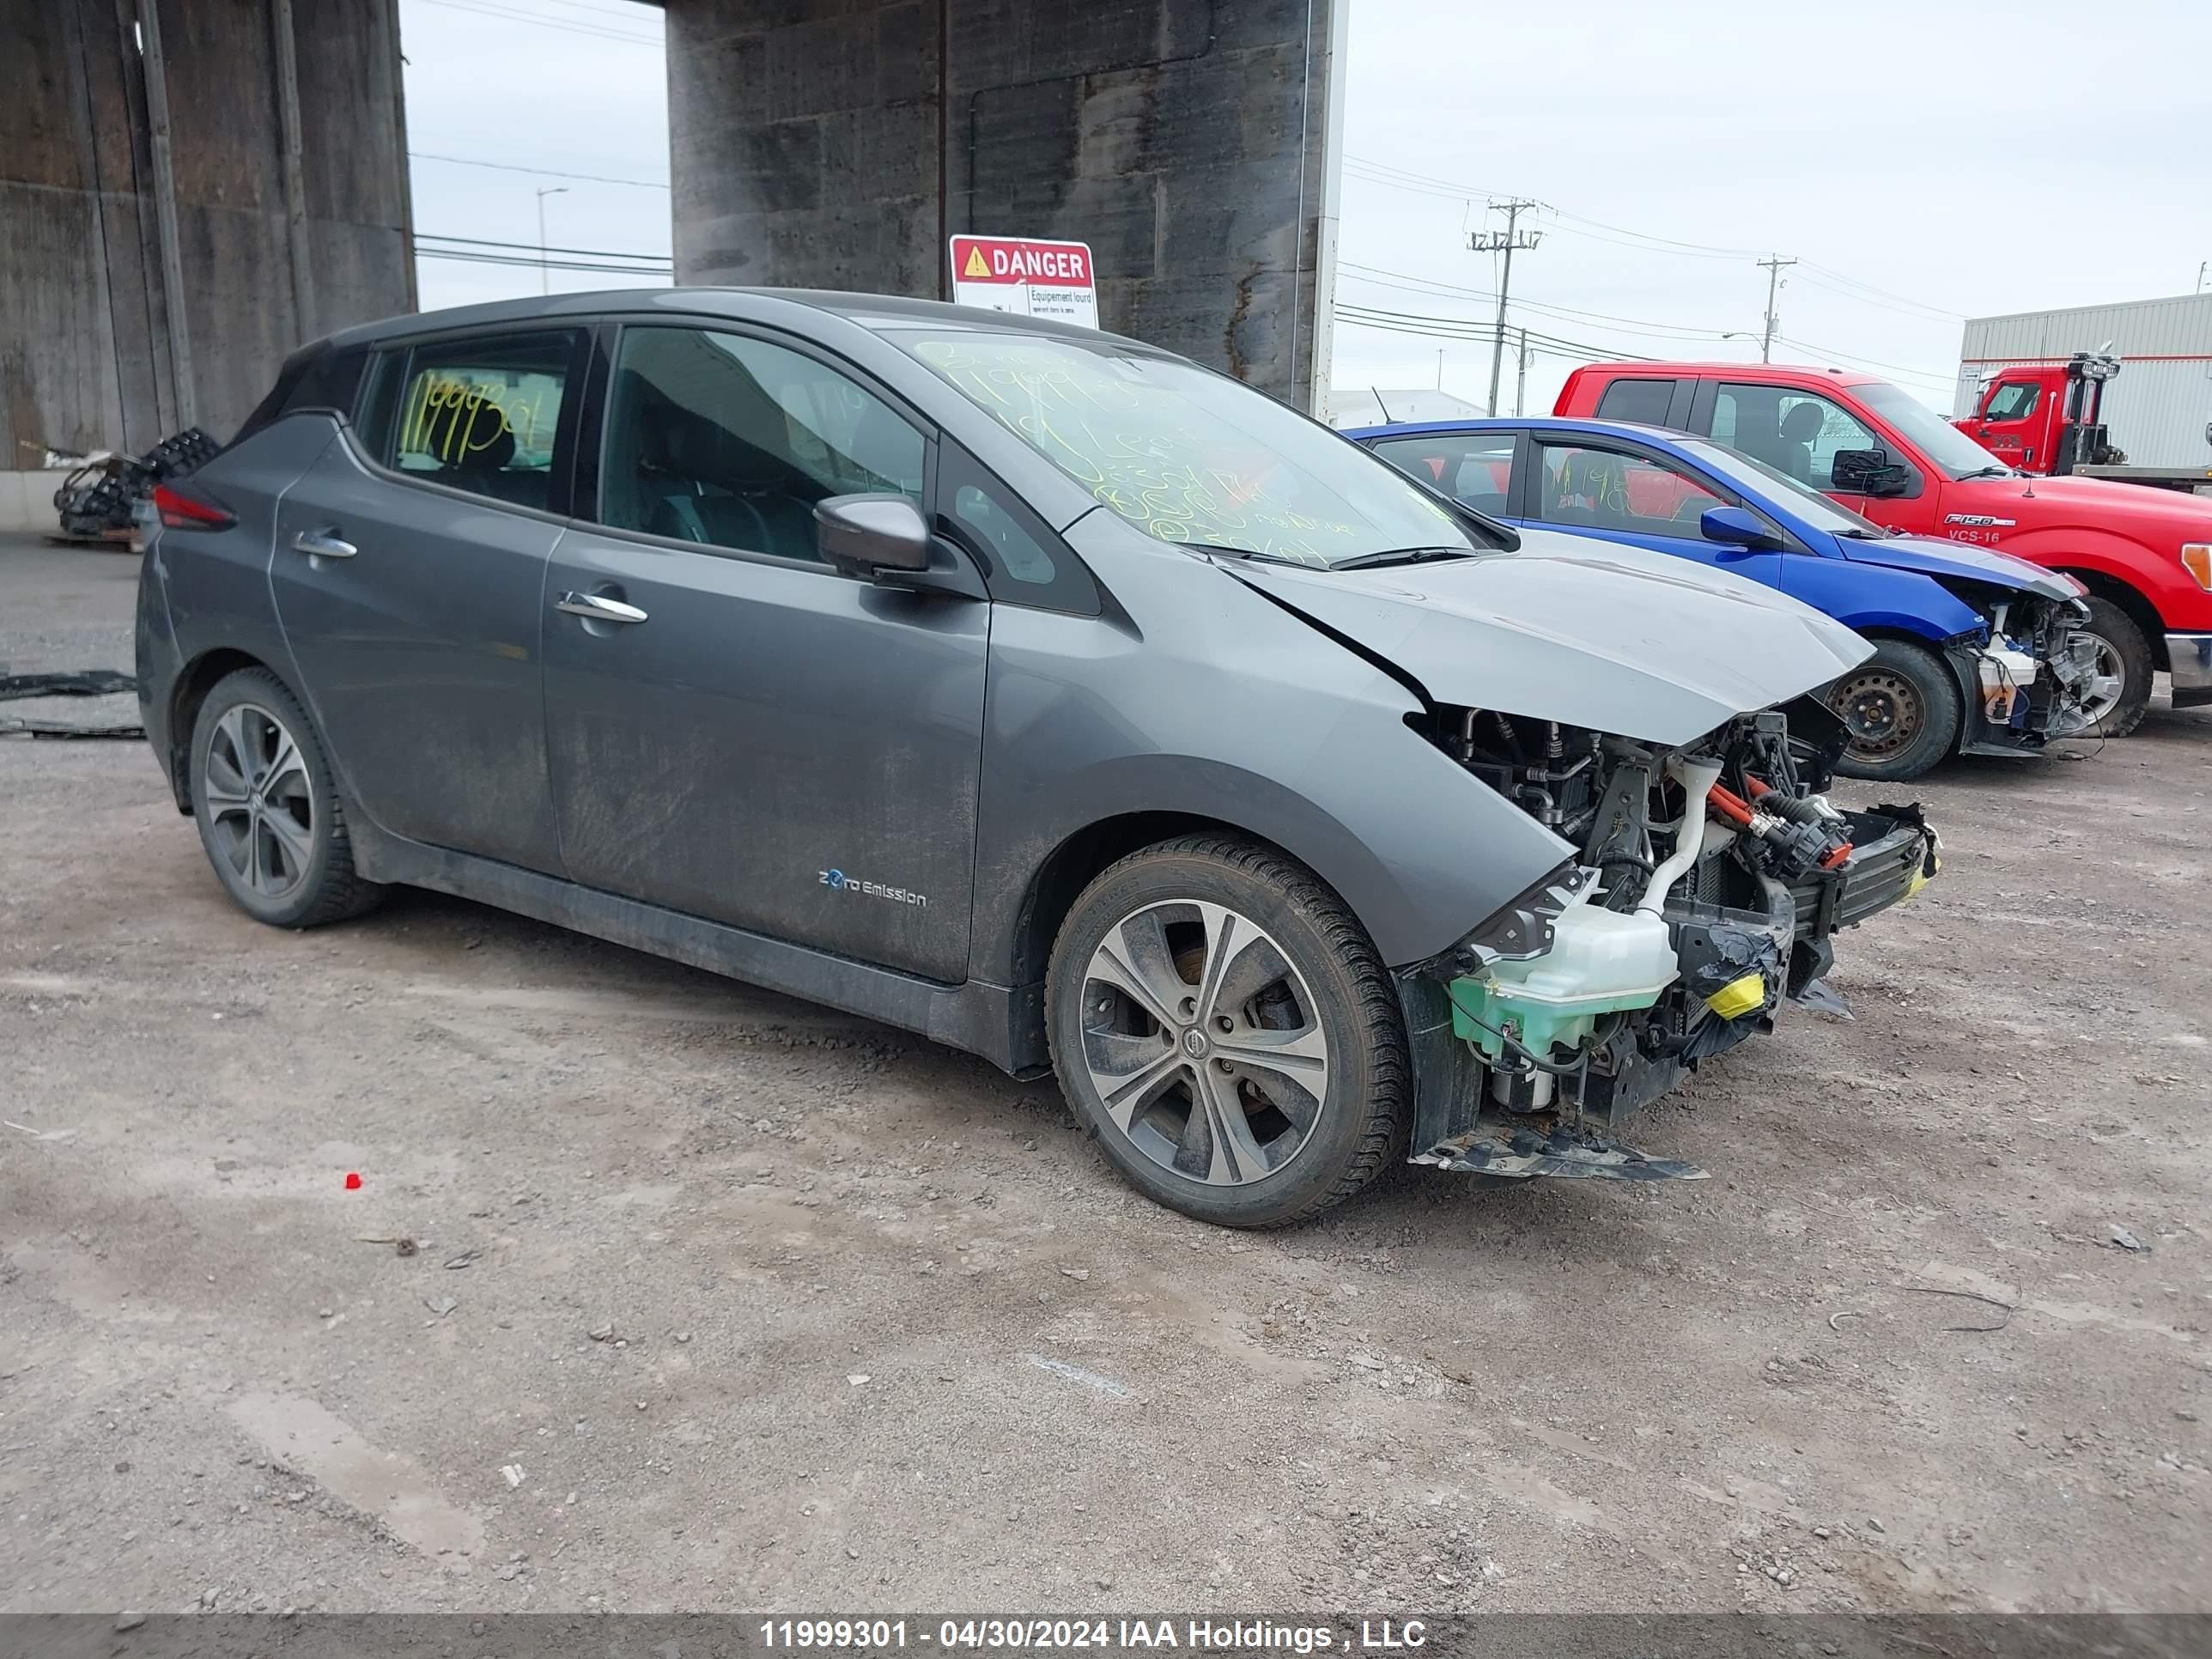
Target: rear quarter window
(1640,400)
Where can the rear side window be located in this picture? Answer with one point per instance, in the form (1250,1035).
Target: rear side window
(478,414)
(1473,467)
(332,382)
(312,378)
(1646,401)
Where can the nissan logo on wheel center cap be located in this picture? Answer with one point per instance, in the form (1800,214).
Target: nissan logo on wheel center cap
(1194,1043)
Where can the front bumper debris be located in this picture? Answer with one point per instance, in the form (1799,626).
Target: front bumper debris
(1894,854)
(1516,1146)
(2189,658)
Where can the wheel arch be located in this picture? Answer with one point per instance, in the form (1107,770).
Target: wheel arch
(1946,652)
(2131,600)
(1079,858)
(194,682)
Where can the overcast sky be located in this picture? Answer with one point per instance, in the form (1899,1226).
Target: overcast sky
(1926,161)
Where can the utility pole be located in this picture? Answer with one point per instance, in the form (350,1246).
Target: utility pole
(1774,265)
(1440,369)
(1506,241)
(543,280)
(1521,384)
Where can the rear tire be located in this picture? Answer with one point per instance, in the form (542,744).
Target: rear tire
(2120,642)
(266,803)
(1222,1024)
(1902,707)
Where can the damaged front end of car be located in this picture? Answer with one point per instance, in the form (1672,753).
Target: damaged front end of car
(1708,880)
(2029,675)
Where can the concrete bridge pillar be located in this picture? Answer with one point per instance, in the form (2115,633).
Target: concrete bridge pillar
(839,143)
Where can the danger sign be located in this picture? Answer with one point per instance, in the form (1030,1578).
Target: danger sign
(1029,277)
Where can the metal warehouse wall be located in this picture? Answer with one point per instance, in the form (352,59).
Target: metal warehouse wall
(838,144)
(2157,408)
(187,191)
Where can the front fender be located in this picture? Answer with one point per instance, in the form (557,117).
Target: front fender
(1234,710)
(1873,599)
(2181,604)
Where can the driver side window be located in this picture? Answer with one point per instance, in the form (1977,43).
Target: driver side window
(2014,401)
(1797,433)
(729,441)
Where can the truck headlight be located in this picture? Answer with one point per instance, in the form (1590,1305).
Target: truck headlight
(2197,560)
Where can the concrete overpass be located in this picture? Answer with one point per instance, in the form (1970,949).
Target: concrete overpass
(189,188)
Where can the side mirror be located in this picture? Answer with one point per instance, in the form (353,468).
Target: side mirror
(1868,472)
(1736,527)
(863,534)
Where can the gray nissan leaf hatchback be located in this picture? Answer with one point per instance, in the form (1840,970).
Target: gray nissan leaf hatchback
(1027,688)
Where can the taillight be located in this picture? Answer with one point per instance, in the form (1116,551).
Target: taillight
(181,512)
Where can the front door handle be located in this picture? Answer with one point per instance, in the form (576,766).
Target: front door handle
(594,608)
(323,543)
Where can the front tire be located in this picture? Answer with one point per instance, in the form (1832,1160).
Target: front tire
(1901,707)
(267,806)
(1222,1023)
(2122,650)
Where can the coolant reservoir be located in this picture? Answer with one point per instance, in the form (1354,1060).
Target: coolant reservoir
(1601,962)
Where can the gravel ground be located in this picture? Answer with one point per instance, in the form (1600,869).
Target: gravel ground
(725,1301)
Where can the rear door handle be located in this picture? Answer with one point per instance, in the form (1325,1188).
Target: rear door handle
(594,608)
(323,544)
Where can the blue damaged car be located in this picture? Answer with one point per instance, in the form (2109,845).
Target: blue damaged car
(1975,652)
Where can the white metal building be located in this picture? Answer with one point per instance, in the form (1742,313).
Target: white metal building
(2157,410)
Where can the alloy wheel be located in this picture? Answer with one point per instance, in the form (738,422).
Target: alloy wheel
(261,803)
(1203,1042)
(1881,711)
(2101,695)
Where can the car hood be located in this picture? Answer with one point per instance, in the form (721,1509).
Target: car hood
(2038,503)
(1613,638)
(1930,557)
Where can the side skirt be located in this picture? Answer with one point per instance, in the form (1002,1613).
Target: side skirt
(1003,1024)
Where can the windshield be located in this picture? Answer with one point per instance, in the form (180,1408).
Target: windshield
(1956,454)
(1186,455)
(1755,477)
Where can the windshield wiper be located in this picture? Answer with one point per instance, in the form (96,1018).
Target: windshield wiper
(1216,551)
(1868,535)
(1401,556)
(1999,471)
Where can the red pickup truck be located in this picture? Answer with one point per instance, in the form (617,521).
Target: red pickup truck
(2145,556)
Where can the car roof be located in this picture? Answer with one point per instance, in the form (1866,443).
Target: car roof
(1637,429)
(1636,369)
(875,312)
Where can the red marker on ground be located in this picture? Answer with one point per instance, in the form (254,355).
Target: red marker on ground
(353,1181)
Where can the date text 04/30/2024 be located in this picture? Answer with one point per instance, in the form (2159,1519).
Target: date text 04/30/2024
(1199,1634)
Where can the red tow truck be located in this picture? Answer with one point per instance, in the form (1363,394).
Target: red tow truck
(2144,555)
(2048,417)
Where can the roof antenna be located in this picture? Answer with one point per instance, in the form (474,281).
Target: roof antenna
(1380,405)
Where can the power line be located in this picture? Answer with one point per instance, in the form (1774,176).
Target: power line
(1628,324)
(533,262)
(1898,369)
(541,172)
(1569,222)
(530,248)
(1909,306)
(1460,328)
(488,8)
